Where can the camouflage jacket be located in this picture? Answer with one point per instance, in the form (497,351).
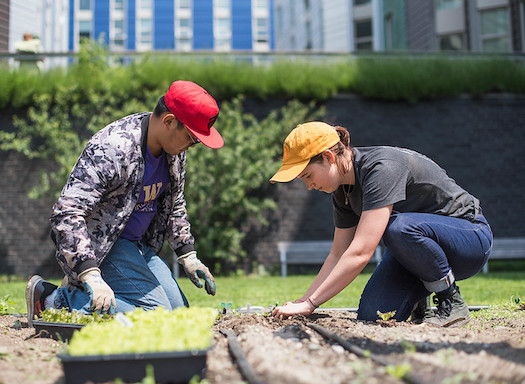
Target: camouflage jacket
(101,192)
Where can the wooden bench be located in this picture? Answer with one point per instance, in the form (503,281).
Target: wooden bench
(309,252)
(506,248)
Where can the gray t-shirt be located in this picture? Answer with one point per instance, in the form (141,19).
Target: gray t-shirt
(409,180)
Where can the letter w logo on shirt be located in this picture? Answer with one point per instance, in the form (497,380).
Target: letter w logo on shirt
(151,191)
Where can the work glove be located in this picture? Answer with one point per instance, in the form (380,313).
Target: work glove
(195,269)
(101,295)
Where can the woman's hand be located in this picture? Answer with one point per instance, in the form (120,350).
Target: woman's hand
(296,308)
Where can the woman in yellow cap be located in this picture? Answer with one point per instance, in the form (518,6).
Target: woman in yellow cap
(434,231)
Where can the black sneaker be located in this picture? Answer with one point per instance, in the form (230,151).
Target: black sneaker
(422,311)
(37,290)
(451,311)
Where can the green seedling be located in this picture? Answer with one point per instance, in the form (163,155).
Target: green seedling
(6,305)
(226,308)
(62,315)
(408,346)
(399,371)
(520,304)
(386,316)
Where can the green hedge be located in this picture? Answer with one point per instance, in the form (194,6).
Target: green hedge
(387,77)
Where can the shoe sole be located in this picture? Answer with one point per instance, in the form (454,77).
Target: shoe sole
(456,323)
(30,298)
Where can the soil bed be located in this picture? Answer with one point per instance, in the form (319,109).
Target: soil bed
(288,351)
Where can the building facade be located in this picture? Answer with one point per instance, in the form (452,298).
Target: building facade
(492,26)
(180,25)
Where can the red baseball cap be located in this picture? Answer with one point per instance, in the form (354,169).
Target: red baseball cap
(196,109)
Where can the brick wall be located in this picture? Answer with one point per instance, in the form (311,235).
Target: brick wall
(478,141)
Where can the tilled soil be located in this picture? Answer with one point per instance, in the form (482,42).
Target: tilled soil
(289,351)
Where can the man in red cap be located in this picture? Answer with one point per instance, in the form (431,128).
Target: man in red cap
(123,198)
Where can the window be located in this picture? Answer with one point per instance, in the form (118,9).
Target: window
(389,31)
(84,29)
(261,30)
(444,4)
(183,44)
(223,4)
(184,28)
(145,4)
(363,35)
(145,31)
(185,4)
(84,5)
(261,4)
(452,42)
(223,27)
(495,36)
(119,5)
(361,2)
(118,27)
(184,23)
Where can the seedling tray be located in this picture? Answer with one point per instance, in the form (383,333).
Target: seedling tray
(168,367)
(57,331)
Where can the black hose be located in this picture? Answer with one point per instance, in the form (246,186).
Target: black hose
(236,351)
(409,378)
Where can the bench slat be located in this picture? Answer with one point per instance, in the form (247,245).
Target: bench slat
(315,252)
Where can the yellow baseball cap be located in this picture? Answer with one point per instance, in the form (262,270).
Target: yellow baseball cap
(304,142)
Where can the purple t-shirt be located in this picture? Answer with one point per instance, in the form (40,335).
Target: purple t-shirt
(156,178)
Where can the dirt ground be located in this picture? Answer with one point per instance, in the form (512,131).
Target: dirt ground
(288,351)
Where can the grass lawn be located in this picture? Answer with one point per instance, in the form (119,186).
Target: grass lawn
(483,289)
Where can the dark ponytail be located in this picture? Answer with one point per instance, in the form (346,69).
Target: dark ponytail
(344,136)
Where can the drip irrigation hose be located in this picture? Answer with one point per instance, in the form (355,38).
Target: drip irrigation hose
(409,378)
(236,351)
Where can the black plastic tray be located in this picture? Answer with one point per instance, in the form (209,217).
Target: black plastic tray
(168,367)
(57,331)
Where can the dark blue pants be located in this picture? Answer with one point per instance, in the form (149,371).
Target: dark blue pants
(424,253)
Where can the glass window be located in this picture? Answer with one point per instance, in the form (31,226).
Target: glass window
(119,5)
(185,4)
(184,23)
(145,4)
(389,31)
(223,26)
(84,5)
(500,45)
(118,25)
(261,4)
(225,4)
(363,35)
(495,21)
(453,42)
(183,44)
(145,31)
(84,28)
(261,31)
(361,2)
(444,4)
(364,46)
(495,30)
(363,28)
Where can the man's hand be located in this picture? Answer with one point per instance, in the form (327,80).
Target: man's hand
(195,269)
(101,295)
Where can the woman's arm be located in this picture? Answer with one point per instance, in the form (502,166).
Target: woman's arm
(369,231)
(342,239)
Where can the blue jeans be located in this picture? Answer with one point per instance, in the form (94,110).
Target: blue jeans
(137,276)
(424,253)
